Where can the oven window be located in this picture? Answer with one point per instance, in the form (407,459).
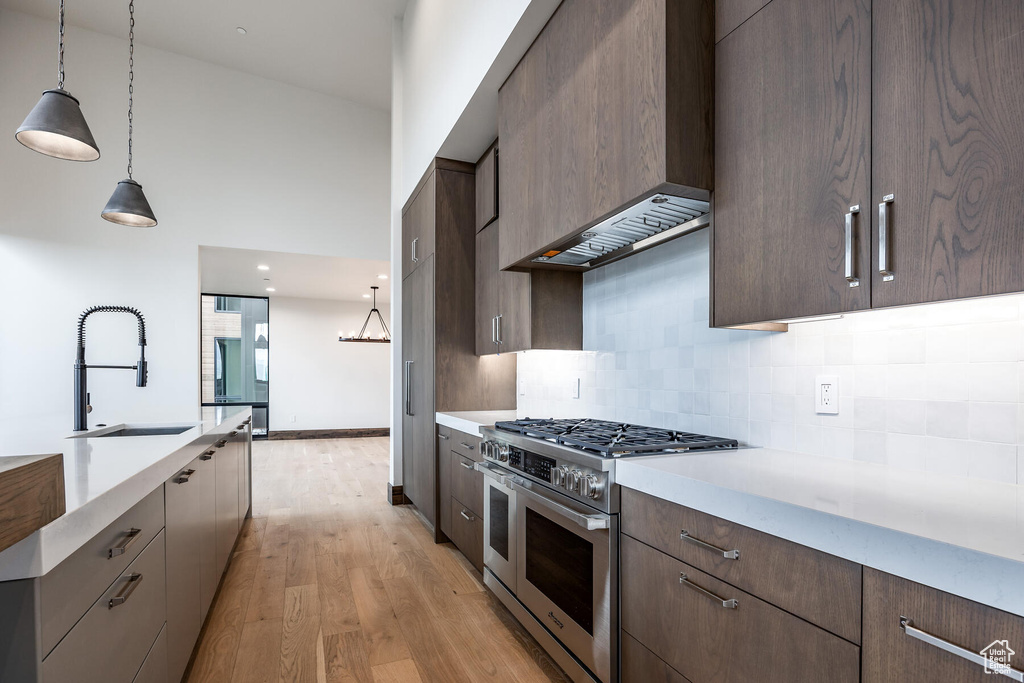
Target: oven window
(561,565)
(499,522)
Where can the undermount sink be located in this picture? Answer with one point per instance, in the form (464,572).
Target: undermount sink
(134,430)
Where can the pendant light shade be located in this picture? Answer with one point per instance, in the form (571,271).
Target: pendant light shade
(129,206)
(55,126)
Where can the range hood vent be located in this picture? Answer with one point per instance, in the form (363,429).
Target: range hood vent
(648,223)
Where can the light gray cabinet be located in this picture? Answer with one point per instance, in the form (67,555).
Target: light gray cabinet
(183,496)
(225,460)
(209,575)
(154,669)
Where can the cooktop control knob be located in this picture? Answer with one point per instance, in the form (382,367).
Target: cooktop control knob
(573,480)
(503,453)
(591,487)
(559,475)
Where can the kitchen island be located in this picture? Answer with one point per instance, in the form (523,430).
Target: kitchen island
(117,589)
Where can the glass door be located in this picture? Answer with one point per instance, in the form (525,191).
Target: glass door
(500,528)
(235,363)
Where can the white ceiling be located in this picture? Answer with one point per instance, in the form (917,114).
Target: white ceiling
(234,271)
(338,47)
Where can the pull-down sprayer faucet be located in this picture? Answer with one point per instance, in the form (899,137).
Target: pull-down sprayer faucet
(82,406)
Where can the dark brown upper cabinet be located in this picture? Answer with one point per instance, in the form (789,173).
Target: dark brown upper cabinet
(487,187)
(947,115)
(867,155)
(610,105)
(542,309)
(792,146)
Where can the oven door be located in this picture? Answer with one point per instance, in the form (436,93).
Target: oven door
(567,573)
(499,524)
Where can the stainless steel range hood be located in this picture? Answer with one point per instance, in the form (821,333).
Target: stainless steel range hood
(646,224)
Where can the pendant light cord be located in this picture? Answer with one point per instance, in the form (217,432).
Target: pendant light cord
(131,77)
(60,49)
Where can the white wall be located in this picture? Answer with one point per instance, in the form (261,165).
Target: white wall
(936,388)
(226,159)
(319,381)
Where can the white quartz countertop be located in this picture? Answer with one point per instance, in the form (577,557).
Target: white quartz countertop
(963,536)
(470,422)
(103,477)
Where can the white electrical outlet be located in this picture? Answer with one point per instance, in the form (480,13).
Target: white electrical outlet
(826,395)
(292,419)
(574,387)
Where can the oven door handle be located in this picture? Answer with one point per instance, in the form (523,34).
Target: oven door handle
(588,522)
(491,472)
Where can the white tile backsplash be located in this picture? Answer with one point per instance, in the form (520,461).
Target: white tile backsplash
(938,387)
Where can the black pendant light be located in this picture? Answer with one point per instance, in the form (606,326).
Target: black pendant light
(385,335)
(55,126)
(128,205)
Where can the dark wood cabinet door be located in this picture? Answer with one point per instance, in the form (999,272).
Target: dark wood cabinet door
(418,295)
(487,279)
(893,656)
(444,482)
(948,144)
(418,225)
(792,140)
(641,665)
(487,187)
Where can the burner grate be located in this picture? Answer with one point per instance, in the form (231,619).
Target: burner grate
(613,439)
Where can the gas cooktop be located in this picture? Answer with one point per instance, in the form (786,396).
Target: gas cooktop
(613,439)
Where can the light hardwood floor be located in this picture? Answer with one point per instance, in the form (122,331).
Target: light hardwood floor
(330,584)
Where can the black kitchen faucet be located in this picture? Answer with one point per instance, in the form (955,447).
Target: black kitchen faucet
(82,406)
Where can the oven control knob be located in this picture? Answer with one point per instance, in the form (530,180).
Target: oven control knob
(573,481)
(590,487)
(560,475)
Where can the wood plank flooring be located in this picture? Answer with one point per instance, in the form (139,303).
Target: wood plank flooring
(330,584)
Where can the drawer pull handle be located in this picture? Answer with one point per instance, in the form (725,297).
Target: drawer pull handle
(851,248)
(122,547)
(221,444)
(468,518)
(133,582)
(208,455)
(241,426)
(466,445)
(463,463)
(684,535)
(442,436)
(232,434)
(908,627)
(732,603)
(184,476)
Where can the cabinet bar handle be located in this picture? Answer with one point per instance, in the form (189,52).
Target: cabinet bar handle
(468,518)
(221,444)
(208,455)
(184,476)
(851,248)
(133,582)
(494,330)
(241,426)
(883,238)
(465,445)
(684,535)
(732,603)
(468,467)
(415,257)
(442,436)
(126,542)
(408,388)
(908,627)
(499,339)
(232,434)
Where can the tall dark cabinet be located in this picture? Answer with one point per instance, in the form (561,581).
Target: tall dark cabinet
(440,369)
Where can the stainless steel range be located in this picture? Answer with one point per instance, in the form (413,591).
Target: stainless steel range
(551,529)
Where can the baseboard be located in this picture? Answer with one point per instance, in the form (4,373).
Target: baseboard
(293,434)
(395,494)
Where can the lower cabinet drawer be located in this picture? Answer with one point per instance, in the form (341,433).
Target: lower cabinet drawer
(154,669)
(113,639)
(467,483)
(821,588)
(71,587)
(468,533)
(893,655)
(466,445)
(680,614)
(641,665)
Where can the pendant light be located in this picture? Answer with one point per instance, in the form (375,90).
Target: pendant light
(128,205)
(385,335)
(55,126)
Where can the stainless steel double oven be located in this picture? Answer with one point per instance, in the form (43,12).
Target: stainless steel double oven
(551,551)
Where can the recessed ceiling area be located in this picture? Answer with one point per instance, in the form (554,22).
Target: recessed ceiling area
(337,47)
(237,271)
